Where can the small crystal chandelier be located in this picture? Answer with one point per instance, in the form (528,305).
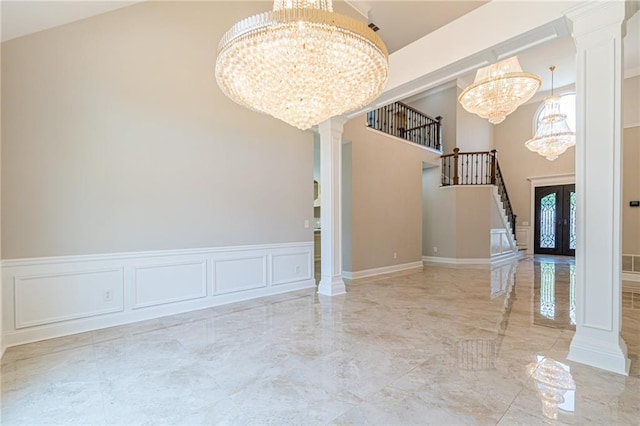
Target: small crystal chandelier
(498,90)
(302,63)
(553,135)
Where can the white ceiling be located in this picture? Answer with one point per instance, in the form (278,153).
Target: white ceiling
(561,53)
(401,22)
(22,17)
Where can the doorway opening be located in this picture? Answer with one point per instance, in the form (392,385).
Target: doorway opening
(555,220)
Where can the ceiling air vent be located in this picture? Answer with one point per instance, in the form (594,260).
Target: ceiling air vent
(373,26)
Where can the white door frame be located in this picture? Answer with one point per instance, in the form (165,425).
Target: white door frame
(553,180)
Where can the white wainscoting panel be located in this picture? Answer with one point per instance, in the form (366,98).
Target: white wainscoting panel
(286,268)
(500,242)
(523,235)
(232,275)
(56,296)
(49,298)
(162,283)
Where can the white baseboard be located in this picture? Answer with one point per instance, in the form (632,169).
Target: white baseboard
(380,271)
(473,261)
(457,261)
(51,297)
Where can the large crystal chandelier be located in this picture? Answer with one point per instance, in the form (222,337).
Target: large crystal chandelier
(301,62)
(553,135)
(498,90)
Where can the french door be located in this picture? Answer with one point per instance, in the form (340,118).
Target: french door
(555,220)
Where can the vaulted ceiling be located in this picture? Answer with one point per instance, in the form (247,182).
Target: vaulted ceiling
(400,23)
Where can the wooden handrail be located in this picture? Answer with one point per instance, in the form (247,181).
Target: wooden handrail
(417,111)
(424,125)
(465,153)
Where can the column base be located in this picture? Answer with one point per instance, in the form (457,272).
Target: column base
(590,352)
(331,286)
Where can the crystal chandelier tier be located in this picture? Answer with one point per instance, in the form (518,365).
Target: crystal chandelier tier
(302,63)
(553,135)
(498,90)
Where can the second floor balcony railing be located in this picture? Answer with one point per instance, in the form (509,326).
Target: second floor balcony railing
(403,121)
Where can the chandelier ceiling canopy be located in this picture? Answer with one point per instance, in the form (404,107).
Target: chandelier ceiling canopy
(302,63)
(498,90)
(553,135)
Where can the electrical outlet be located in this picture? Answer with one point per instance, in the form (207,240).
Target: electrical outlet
(395,255)
(435,249)
(297,269)
(306,223)
(108,295)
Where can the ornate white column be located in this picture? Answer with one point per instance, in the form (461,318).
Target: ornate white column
(598,32)
(331,282)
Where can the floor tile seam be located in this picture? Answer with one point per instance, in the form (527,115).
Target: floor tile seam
(511,404)
(352,406)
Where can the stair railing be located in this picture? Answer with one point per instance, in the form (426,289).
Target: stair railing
(403,121)
(477,168)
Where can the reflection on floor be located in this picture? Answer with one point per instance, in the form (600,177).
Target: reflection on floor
(555,301)
(448,345)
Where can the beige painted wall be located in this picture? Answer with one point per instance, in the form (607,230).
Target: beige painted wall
(631,166)
(457,219)
(116,138)
(386,198)
(473,221)
(631,110)
(472,132)
(439,216)
(442,103)
(466,131)
(631,191)
(518,163)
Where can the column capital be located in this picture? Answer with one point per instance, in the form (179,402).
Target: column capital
(333,125)
(591,16)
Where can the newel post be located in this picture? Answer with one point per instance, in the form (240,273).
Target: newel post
(439,141)
(455,165)
(494,164)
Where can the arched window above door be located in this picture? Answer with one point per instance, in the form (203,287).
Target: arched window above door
(567,107)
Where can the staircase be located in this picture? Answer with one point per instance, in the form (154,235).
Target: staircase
(480,168)
(402,121)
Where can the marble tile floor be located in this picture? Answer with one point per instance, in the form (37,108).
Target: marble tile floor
(443,346)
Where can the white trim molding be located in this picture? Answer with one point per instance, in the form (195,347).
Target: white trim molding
(494,260)
(435,152)
(51,297)
(523,237)
(380,271)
